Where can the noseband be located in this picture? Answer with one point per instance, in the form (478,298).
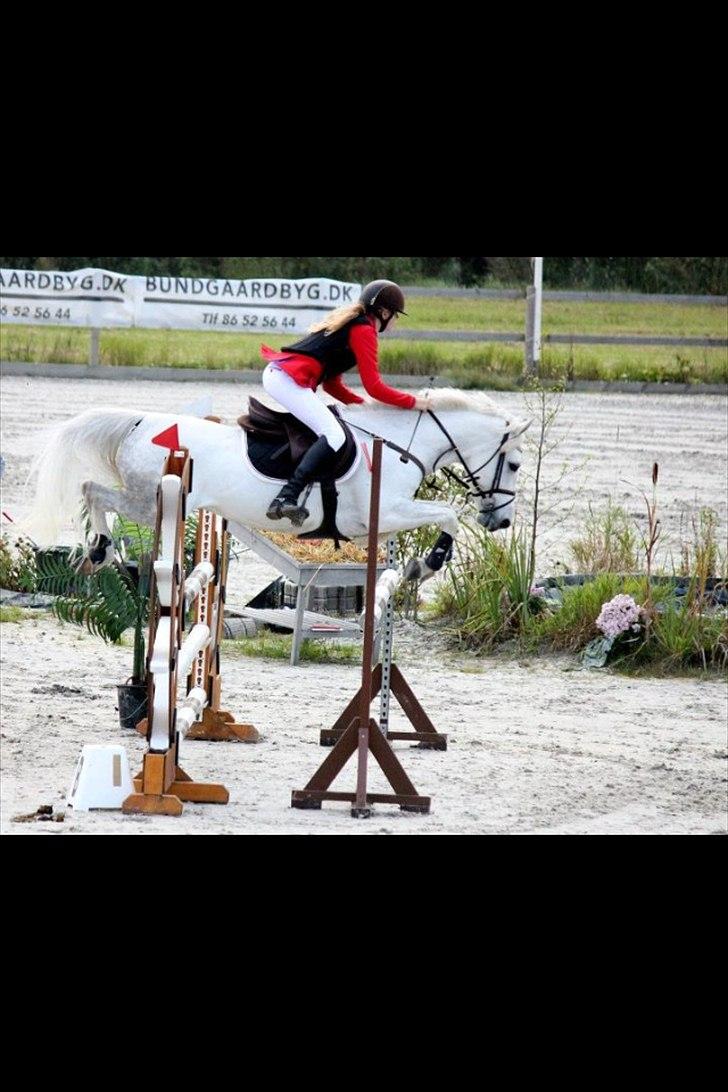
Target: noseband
(471,482)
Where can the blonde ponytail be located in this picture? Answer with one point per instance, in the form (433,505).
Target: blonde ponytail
(338,318)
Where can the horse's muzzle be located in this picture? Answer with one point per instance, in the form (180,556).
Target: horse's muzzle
(492,521)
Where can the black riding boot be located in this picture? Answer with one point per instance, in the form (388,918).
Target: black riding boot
(313,463)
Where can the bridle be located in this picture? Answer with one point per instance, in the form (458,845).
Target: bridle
(471,482)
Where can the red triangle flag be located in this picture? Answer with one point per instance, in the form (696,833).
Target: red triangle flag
(169,438)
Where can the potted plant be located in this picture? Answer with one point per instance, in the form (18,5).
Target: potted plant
(109,602)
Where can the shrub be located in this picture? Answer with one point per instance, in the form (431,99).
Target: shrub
(18,570)
(489,597)
(607,544)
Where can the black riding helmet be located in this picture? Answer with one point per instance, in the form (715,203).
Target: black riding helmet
(383,294)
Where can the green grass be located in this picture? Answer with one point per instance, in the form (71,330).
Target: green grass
(274,646)
(681,639)
(14,614)
(501,366)
(573,625)
(487,601)
(504,316)
(460,363)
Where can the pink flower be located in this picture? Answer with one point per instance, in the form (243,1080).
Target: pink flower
(619,615)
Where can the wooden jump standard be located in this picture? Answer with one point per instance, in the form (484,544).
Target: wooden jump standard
(355,730)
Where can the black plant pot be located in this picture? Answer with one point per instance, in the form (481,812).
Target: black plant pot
(132,704)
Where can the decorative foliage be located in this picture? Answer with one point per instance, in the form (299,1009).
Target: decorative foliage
(111,600)
(618,616)
(110,605)
(17,565)
(620,622)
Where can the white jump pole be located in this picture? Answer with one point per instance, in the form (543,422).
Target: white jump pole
(387,634)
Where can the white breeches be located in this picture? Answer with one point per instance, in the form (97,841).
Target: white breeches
(303,403)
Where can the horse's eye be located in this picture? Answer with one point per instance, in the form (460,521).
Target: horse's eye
(514,466)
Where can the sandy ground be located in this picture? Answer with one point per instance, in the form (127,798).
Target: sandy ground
(535,747)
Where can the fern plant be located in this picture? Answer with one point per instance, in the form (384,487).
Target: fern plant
(115,598)
(107,603)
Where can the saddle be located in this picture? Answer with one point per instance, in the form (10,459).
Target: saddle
(277,441)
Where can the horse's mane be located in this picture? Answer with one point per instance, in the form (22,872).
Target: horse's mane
(451,398)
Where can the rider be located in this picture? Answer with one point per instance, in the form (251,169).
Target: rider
(346,338)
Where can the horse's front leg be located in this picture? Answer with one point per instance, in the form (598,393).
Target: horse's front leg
(411,514)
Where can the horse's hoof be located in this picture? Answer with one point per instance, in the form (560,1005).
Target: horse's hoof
(98,549)
(99,552)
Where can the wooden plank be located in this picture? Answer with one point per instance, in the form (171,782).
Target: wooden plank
(218,726)
(148,804)
(302,797)
(153,775)
(285,618)
(426,739)
(199,793)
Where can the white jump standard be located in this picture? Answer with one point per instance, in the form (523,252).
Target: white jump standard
(162,785)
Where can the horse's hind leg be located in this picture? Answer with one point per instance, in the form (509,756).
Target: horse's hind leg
(99,500)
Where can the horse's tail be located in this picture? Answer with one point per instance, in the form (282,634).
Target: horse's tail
(78,450)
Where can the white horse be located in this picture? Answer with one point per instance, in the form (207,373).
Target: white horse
(106,457)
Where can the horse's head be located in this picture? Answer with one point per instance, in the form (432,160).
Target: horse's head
(488,447)
(450,428)
(497,491)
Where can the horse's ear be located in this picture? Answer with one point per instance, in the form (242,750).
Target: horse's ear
(516,432)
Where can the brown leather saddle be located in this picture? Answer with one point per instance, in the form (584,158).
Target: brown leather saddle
(277,441)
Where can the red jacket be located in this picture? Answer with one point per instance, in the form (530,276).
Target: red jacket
(363,343)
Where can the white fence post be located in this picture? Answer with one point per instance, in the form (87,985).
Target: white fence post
(534,307)
(93,351)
